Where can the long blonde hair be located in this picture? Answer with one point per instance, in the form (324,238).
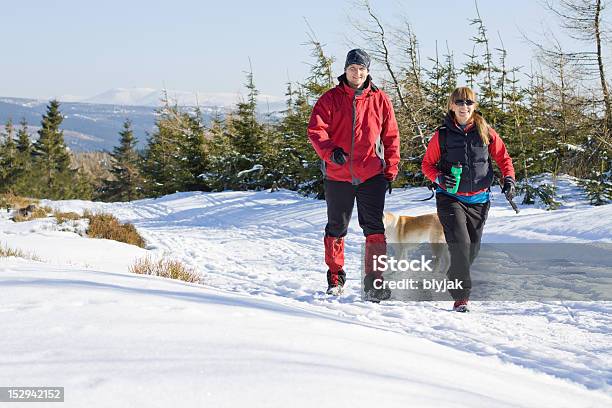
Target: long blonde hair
(463,92)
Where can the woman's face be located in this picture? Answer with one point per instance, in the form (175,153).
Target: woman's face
(463,109)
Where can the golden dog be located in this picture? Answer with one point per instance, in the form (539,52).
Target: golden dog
(404,229)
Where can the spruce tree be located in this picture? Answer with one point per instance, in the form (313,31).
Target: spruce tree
(126,184)
(305,162)
(221,156)
(174,159)
(8,159)
(321,77)
(160,159)
(51,157)
(23,161)
(194,148)
(298,162)
(247,141)
(486,67)
(24,145)
(246,130)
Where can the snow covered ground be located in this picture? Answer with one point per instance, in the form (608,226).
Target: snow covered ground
(259,330)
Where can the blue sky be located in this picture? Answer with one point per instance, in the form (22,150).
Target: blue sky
(82,48)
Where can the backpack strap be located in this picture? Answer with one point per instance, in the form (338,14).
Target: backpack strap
(442,132)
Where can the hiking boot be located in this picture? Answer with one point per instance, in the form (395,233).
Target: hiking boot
(372,294)
(461,306)
(376,295)
(335,290)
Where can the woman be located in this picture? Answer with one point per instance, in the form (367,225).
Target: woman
(465,140)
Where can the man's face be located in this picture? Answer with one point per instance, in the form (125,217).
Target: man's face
(356,75)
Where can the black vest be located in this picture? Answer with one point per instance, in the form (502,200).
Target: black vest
(469,150)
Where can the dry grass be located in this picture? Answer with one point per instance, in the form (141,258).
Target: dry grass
(39,212)
(107,226)
(166,269)
(6,252)
(66,216)
(15,202)
(10,200)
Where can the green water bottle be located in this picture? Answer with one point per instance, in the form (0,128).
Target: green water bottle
(456,171)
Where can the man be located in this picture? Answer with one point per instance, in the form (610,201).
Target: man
(354,132)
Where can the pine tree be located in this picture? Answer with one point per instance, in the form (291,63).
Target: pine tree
(51,157)
(297,160)
(194,148)
(127,182)
(246,130)
(175,157)
(515,136)
(303,158)
(506,111)
(23,161)
(321,77)
(24,145)
(247,141)
(414,117)
(8,159)
(441,80)
(161,165)
(219,174)
(486,67)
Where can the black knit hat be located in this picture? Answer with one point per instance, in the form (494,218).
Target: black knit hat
(357,56)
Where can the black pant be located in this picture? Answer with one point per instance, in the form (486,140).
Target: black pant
(340,197)
(463,225)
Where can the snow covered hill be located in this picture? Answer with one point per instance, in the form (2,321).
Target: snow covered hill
(153,97)
(94,124)
(259,330)
(89,126)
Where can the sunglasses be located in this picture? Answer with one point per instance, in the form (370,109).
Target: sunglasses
(462,102)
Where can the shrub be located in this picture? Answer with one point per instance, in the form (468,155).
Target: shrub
(107,226)
(10,200)
(66,216)
(39,212)
(165,268)
(545,192)
(6,252)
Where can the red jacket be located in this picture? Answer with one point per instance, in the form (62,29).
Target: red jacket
(497,150)
(331,126)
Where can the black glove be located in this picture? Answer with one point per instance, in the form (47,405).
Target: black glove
(446,181)
(339,156)
(389,184)
(509,188)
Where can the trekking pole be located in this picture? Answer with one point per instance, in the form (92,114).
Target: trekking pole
(512,203)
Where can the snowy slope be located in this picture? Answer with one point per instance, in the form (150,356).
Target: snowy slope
(259,329)
(114,339)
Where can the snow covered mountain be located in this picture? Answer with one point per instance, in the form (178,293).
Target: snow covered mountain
(153,97)
(124,96)
(259,330)
(87,126)
(94,123)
